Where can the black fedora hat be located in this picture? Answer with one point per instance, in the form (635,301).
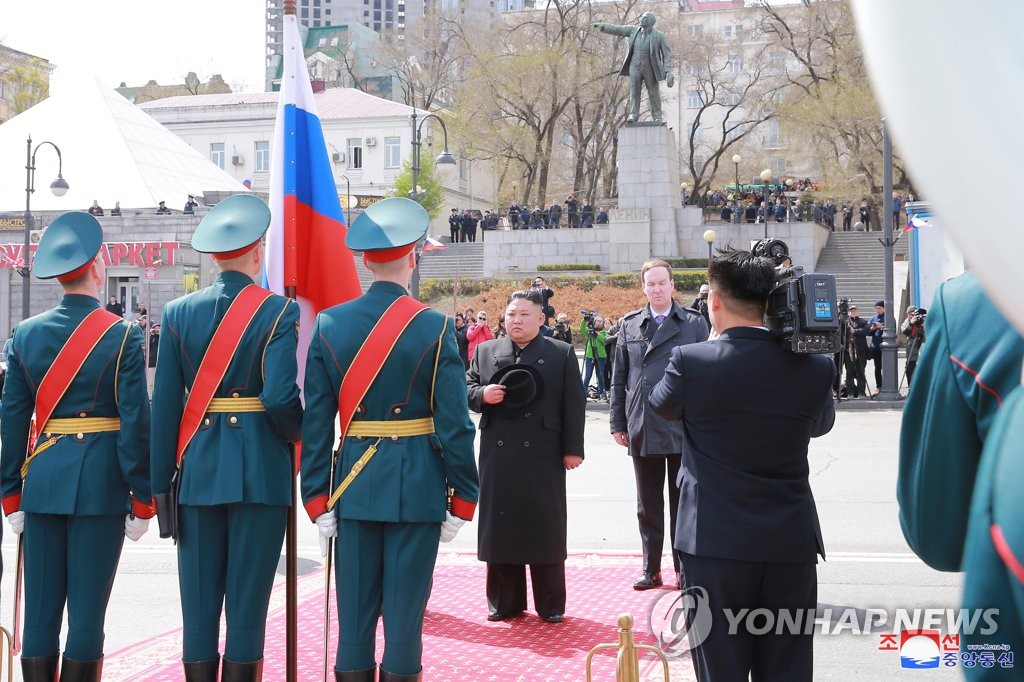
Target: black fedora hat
(523,385)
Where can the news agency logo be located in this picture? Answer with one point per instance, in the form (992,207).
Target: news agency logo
(680,620)
(919,649)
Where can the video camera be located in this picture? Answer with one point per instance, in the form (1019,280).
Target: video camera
(588,316)
(802,309)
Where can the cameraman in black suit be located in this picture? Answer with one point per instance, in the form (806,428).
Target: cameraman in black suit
(748,529)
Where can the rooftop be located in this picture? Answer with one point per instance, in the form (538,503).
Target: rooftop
(331,104)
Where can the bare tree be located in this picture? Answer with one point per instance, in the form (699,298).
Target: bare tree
(830,108)
(728,88)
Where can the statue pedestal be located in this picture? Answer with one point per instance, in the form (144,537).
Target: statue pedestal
(644,226)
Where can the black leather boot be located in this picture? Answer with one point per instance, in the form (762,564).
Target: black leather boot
(385,676)
(368,675)
(202,671)
(81,671)
(242,672)
(40,668)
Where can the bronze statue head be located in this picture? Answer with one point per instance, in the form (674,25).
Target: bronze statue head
(647,20)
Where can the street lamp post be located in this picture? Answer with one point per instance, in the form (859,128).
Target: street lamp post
(684,187)
(59,187)
(736,158)
(889,390)
(444,158)
(348,200)
(789,208)
(709,237)
(766,176)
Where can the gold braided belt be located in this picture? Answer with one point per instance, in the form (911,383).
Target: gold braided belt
(393,429)
(236,405)
(55,429)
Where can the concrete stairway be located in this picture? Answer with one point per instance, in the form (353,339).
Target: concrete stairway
(441,264)
(857,259)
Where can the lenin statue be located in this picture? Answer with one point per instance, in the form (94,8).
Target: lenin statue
(647,61)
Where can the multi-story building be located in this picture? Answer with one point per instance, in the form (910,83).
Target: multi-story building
(192,86)
(368,138)
(24,81)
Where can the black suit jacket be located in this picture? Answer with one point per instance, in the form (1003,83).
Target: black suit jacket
(749,409)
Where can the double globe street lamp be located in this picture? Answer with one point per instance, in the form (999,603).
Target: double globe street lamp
(766,176)
(736,158)
(416,193)
(59,187)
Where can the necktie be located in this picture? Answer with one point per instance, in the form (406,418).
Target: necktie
(659,319)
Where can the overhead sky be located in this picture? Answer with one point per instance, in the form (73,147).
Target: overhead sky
(140,40)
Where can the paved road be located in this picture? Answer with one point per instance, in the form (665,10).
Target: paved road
(853,471)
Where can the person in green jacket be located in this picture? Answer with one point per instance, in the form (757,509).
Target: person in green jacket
(593,334)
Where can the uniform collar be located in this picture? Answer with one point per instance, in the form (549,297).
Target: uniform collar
(387,288)
(234,277)
(79,301)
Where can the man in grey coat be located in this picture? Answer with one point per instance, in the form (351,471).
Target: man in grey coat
(648,61)
(646,339)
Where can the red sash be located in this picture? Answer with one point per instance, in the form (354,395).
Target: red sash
(372,355)
(216,360)
(66,365)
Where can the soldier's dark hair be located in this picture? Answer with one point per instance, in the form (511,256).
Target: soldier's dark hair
(531,296)
(743,279)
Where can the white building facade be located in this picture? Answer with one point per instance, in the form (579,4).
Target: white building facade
(368,140)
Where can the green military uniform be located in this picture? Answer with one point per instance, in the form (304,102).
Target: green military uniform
(235,485)
(390,516)
(78,489)
(970,364)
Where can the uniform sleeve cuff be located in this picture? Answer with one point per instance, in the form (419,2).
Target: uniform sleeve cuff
(316,507)
(143,510)
(462,508)
(11,503)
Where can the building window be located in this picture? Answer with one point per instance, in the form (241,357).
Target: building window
(697,135)
(692,69)
(778,165)
(735,64)
(262,156)
(463,170)
(217,154)
(305,13)
(693,99)
(321,42)
(392,152)
(334,41)
(773,135)
(777,60)
(730,32)
(696,30)
(355,153)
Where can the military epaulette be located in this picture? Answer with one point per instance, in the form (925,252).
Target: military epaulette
(633,313)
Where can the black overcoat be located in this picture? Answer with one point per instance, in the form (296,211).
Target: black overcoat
(522,507)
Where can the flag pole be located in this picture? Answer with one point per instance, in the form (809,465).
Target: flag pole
(291,549)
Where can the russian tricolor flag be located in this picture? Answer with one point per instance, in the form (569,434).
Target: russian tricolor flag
(306,240)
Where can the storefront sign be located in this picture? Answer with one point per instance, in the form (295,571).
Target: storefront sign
(139,254)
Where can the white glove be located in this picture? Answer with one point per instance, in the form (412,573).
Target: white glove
(135,527)
(450,527)
(17,521)
(327,524)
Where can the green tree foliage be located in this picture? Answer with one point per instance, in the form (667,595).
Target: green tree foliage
(26,85)
(431,194)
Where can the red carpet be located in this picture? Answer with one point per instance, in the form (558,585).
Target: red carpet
(459,644)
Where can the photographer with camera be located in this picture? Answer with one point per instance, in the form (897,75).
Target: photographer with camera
(748,529)
(562,331)
(593,334)
(856,354)
(545,296)
(700,303)
(876,327)
(913,329)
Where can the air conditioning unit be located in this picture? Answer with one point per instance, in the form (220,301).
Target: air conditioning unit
(237,160)
(371,141)
(338,157)
(35,235)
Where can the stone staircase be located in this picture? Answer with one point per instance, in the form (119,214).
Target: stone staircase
(857,259)
(441,264)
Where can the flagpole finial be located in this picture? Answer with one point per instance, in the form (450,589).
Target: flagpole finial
(289,6)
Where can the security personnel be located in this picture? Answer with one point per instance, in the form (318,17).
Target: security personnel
(81,370)
(234,473)
(397,396)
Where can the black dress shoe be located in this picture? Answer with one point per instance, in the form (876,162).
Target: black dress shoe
(496,616)
(556,618)
(648,581)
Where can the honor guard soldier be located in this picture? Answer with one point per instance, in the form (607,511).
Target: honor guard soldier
(225,384)
(389,368)
(76,480)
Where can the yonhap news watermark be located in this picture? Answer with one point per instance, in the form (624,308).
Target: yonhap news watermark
(926,638)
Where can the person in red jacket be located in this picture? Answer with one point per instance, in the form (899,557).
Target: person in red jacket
(478,332)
